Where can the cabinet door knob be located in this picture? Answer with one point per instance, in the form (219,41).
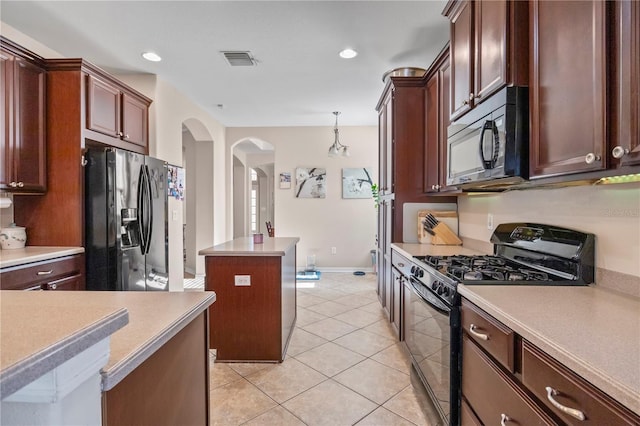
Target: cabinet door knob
(470,97)
(20,184)
(619,152)
(13,184)
(437,187)
(504,419)
(465,102)
(591,158)
(575,413)
(119,134)
(53,286)
(126,136)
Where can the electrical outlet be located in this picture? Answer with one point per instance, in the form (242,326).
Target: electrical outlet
(333,250)
(489,221)
(174,215)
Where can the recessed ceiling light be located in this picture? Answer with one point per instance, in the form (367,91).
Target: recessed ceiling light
(151,56)
(348,54)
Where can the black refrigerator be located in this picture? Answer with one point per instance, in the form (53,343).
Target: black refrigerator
(126,244)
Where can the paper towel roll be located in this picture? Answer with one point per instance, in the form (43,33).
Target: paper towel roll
(5,202)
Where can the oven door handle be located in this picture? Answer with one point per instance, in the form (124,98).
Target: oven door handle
(433,301)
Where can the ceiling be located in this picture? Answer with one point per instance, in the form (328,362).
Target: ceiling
(299,78)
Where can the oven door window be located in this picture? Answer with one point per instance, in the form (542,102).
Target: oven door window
(428,337)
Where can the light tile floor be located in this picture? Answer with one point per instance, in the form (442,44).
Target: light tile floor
(343,366)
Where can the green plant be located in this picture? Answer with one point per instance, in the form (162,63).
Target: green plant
(374,193)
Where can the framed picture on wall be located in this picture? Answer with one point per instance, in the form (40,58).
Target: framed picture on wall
(356,183)
(285,180)
(311,182)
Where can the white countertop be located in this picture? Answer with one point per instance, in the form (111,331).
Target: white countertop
(246,247)
(594,332)
(411,249)
(40,330)
(31,254)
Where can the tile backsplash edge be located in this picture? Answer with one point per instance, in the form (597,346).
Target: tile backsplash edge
(610,280)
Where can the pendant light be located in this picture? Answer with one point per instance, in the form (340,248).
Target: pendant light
(337,148)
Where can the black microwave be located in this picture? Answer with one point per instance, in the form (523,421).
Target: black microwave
(489,146)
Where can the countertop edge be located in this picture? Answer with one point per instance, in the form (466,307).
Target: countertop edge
(43,253)
(600,379)
(220,250)
(29,369)
(122,368)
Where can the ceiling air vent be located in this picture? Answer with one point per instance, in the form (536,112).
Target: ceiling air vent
(239,59)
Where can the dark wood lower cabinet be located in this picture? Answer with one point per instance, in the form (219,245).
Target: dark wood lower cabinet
(255,309)
(64,273)
(170,388)
(540,371)
(494,396)
(518,389)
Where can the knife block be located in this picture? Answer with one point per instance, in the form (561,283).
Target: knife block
(445,231)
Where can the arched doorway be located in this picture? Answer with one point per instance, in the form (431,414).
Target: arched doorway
(253,186)
(198,205)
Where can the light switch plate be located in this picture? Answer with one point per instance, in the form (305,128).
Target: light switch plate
(243,280)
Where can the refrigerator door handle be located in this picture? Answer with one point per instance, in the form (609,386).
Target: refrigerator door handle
(149,210)
(141,209)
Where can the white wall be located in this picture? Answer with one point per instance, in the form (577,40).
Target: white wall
(611,212)
(348,225)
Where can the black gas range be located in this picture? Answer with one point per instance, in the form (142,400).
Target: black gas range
(524,254)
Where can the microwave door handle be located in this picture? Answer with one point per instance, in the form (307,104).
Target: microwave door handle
(495,143)
(487,126)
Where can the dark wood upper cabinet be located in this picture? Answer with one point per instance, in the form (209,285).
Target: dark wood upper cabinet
(624,146)
(568,89)
(23,150)
(436,124)
(117,113)
(488,50)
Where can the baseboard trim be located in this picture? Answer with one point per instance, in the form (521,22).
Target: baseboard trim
(345,269)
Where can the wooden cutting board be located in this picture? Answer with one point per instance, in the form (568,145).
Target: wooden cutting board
(446,217)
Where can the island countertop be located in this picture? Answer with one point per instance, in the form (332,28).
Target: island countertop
(154,318)
(31,254)
(245,246)
(40,330)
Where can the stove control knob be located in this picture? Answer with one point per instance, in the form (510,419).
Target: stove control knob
(413,269)
(434,285)
(440,289)
(446,291)
(420,273)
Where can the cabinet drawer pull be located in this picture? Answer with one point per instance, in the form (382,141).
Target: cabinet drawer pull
(551,392)
(472,330)
(504,419)
(49,272)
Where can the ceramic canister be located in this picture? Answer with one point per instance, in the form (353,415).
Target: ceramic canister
(13,237)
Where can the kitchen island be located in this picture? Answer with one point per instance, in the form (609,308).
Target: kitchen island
(162,353)
(256,288)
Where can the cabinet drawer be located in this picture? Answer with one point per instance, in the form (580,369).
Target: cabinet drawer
(492,336)
(492,394)
(539,372)
(467,417)
(23,277)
